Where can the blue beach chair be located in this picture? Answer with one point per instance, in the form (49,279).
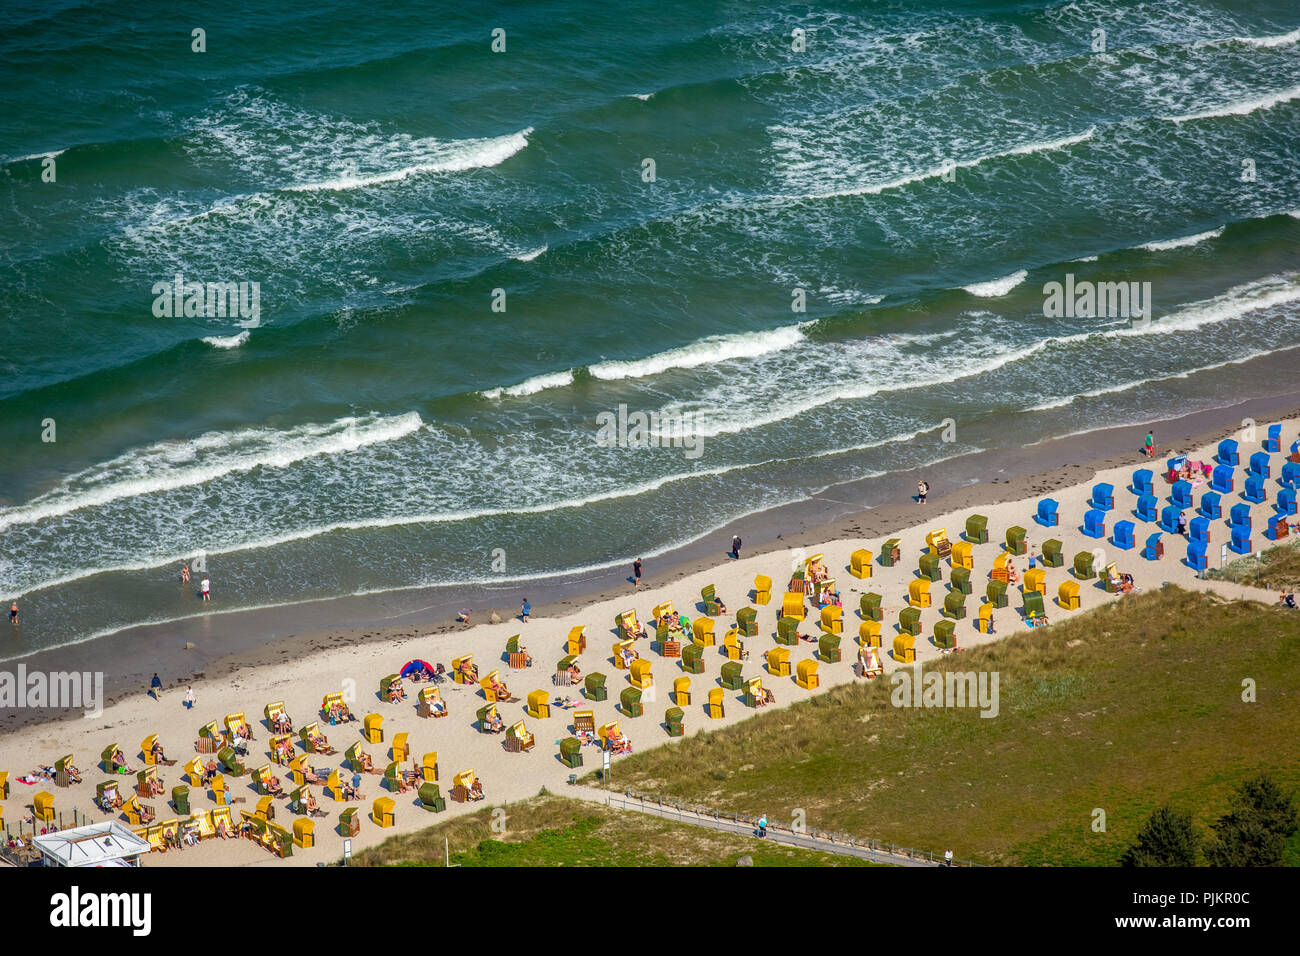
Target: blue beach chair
(1154,549)
(1169,519)
(1240,543)
(1275,526)
(1259,464)
(1199,530)
(1181,495)
(1211,505)
(1255,492)
(1047,516)
(1290,473)
(1286,501)
(1123,535)
(1273,443)
(1103,496)
(1240,514)
(1196,555)
(1143,482)
(1146,509)
(1221,480)
(1094,524)
(1228,452)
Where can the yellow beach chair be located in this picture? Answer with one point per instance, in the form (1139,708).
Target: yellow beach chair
(832,619)
(778,662)
(702,631)
(682,691)
(373,729)
(304,833)
(640,674)
(400,748)
(429,767)
(869,633)
(577,640)
(714,706)
(918,592)
(792,605)
(619,648)
(962,555)
(806,674)
(860,563)
(381,812)
(463,786)
(904,651)
(460,666)
(762,589)
(539,704)
(1068,595)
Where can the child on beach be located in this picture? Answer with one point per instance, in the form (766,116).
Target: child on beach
(922,490)
(185,573)
(1150,448)
(525,610)
(205,589)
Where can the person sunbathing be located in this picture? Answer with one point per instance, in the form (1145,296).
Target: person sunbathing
(74,775)
(722,607)
(309,805)
(468,672)
(439,674)
(155,787)
(574,674)
(157,753)
(145,813)
(476,791)
(319,743)
(566,703)
(500,689)
(367,766)
(627,656)
(222,830)
(118,763)
(495,723)
(273,784)
(283,725)
(438,706)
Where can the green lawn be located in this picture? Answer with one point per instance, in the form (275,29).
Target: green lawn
(557,831)
(1276,568)
(1121,709)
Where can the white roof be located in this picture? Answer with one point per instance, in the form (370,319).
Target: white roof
(95,844)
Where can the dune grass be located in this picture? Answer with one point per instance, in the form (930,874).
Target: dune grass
(1120,709)
(550,830)
(1276,569)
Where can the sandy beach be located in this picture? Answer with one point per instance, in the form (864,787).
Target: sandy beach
(301,671)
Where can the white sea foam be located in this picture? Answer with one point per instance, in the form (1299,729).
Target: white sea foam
(1281,39)
(530,256)
(30,156)
(641,96)
(1182,241)
(1240,107)
(533,385)
(170,465)
(997,287)
(706,351)
(227,341)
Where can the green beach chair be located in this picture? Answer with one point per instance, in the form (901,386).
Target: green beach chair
(710,598)
(945,635)
(693,658)
(431,798)
(181,799)
(889,553)
(977,529)
(960,580)
(1083,568)
(828,648)
(747,621)
(594,687)
(870,606)
(931,566)
(1016,539)
(909,621)
(787,631)
(996,593)
(630,702)
(731,678)
(954,605)
(1052,556)
(1034,603)
(571,752)
(230,762)
(673,721)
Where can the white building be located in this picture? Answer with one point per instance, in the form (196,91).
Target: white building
(96,844)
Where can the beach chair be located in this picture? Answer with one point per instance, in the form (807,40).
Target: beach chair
(1240,515)
(400,749)
(1278,527)
(673,718)
(427,703)
(1169,519)
(1123,535)
(461,668)
(702,631)
(1286,501)
(918,592)
(860,563)
(730,675)
(145,781)
(1143,482)
(106,758)
(984,623)
(571,752)
(890,553)
(298,767)
(1146,508)
(1083,569)
(334,785)
(146,749)
(733,647)
(1222,480)
(954,605)
(693,659)
(576,642)
(762,589)
(1067,595)
(747,621)
(1052,553)
(356,758)
(1047,515)
(539,705)
(307,734)
(4,784)
(194,771)
(996,593)
(904,649)
(628,626)
(1240,543)
(64,768)
(385,685)
(682,691)
(1254,491)
(429,767)
(584,721)
(945,635)
(1035,580)
(304,833)
(828,648)
(462,790)
(832,619)
(962,556)
(869,633)
(273,710)
(349,822)
(373,729)
(431,798)
(1094,524)
(219,790)
(959,580)
(485,716)
(331,700)
(709,598)
(594,686)
(640,676)
(1154,549)
(1211,506)
(1259,465)
(930,566)
(136,813)
(1111,579)
(1291,474)
(265,809)
(909,620)
(519,739)
(1016,539)
(792,606)
(1199,530)
(870,607)
(607,733)
(714,708)
(778,662)
(1180,496)
(485,685)
(977,530)
(230,762)
(381,812)
(629,702)
(938,544)
(1273,441)
(1228,452)
(1001,570)
(1103,496)
(1195,556)
(618,651)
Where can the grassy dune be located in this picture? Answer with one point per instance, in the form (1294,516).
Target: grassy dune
(1123,708)
(555,831)
(1277,568)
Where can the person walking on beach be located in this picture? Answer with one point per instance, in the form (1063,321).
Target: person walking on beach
(636,574)
(185,572)
(735,546)
(526,610)
(922,490)
(13,613)
(762,826)
(155,686)
(189,697)
(205,589)
(1151,444)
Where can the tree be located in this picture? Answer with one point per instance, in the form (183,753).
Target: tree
(1166,839)
(1255,829)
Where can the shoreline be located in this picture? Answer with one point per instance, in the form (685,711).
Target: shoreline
(865,507)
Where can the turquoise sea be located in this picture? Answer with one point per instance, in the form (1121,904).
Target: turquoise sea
(463,262)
